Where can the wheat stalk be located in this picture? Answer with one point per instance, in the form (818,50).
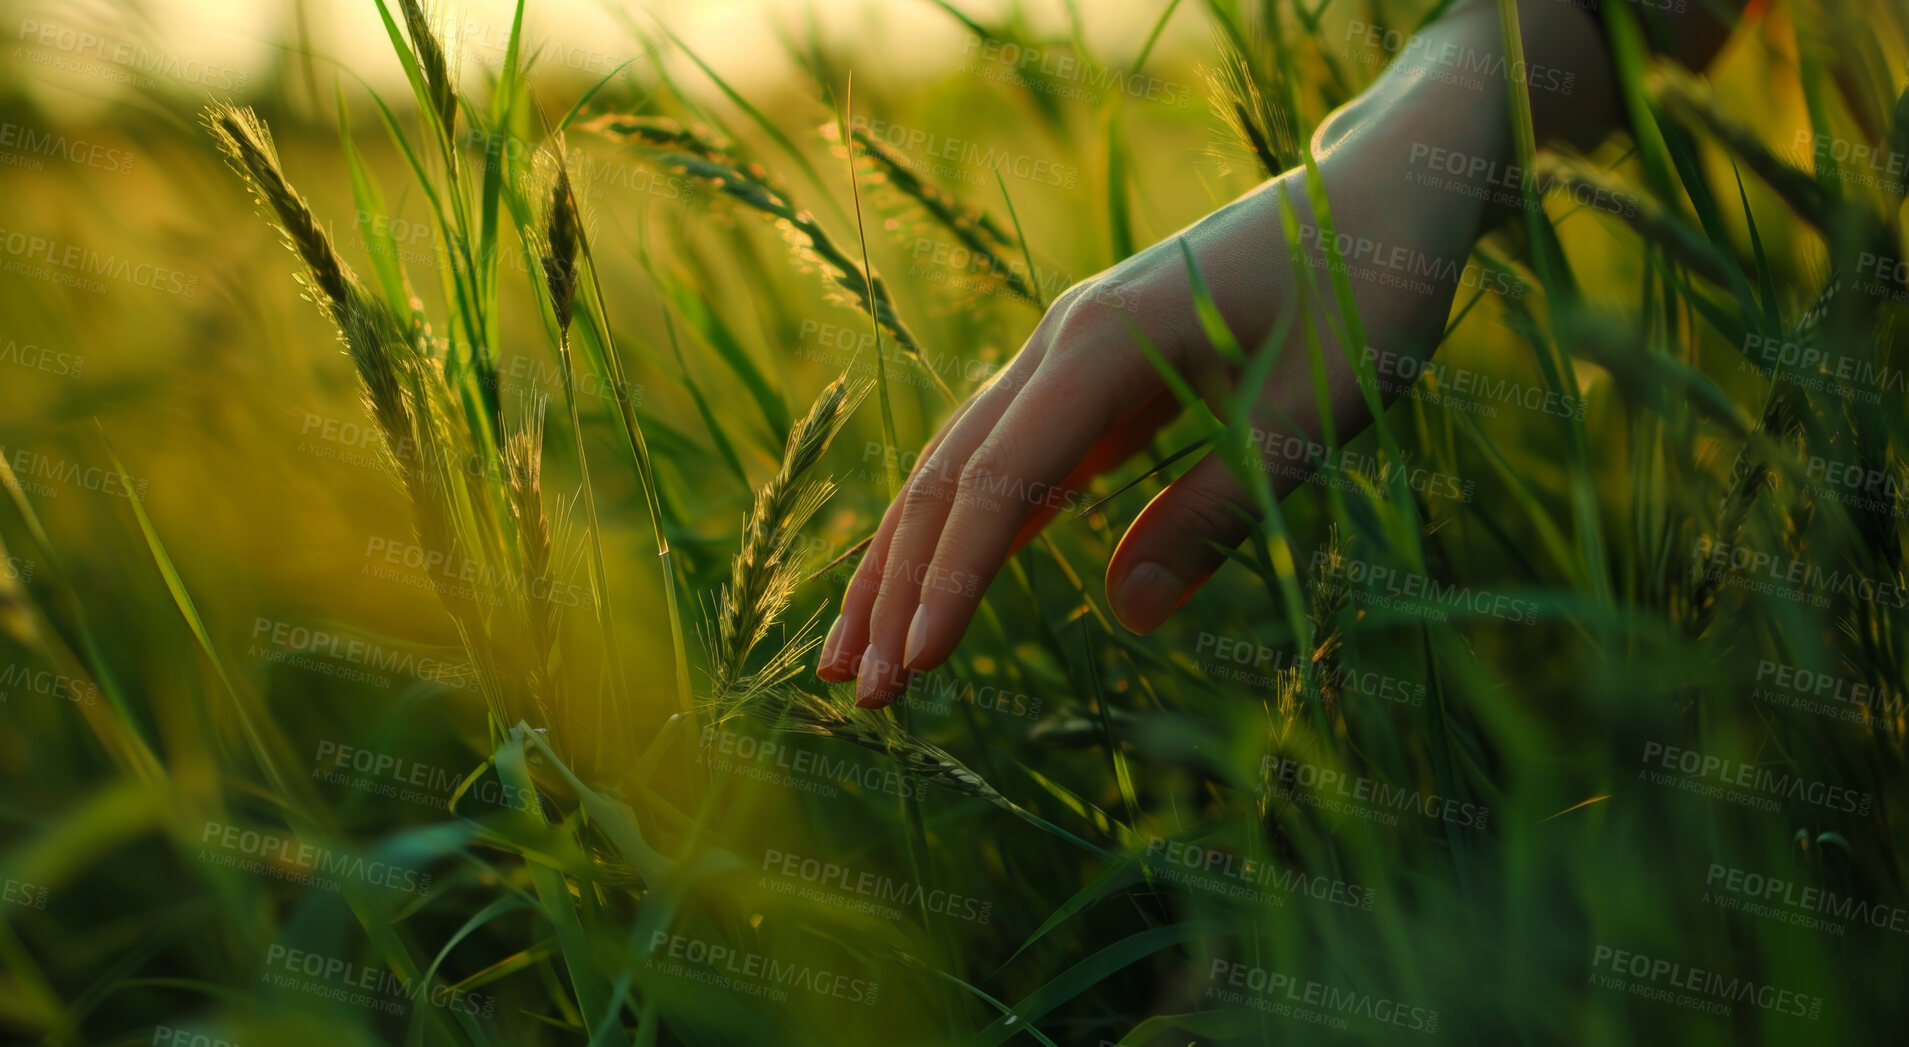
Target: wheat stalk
(560,246)
(1254,123)
(402,385)
(969,224)
(372,335)
(715,164)
(1782,416)
(439,79)
(762,581)
(523,474)
(763,576)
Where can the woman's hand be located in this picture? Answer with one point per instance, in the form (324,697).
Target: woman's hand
(1081,396)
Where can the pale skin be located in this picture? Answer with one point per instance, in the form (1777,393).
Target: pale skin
(1081,396)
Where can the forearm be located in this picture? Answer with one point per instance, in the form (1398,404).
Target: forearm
(1423,162)
(1437,122)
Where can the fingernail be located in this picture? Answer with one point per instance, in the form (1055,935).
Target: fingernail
(917,636)
(829,645)
(870,679)
(1147,596)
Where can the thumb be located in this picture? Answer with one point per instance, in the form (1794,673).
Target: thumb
(1165,555)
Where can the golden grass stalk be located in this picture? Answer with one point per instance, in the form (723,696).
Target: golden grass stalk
(403,386)
(372,336)
(707,159)
(971,225)
(561,246)
(763,578)
(523,473)
(1253,122)
(558,244)
(439,77)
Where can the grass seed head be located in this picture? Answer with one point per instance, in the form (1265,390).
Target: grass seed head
(561,245)
(247,144)
(1251,121)
(439,76)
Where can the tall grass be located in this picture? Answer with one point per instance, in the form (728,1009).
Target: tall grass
(1323,805)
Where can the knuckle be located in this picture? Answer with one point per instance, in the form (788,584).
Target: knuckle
(984,468)
(933,481)
(984,476)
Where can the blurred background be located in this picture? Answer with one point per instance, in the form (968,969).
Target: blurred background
(251,570)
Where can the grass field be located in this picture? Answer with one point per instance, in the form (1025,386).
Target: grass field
(406,637)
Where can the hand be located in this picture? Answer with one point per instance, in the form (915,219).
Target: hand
(1081,396)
